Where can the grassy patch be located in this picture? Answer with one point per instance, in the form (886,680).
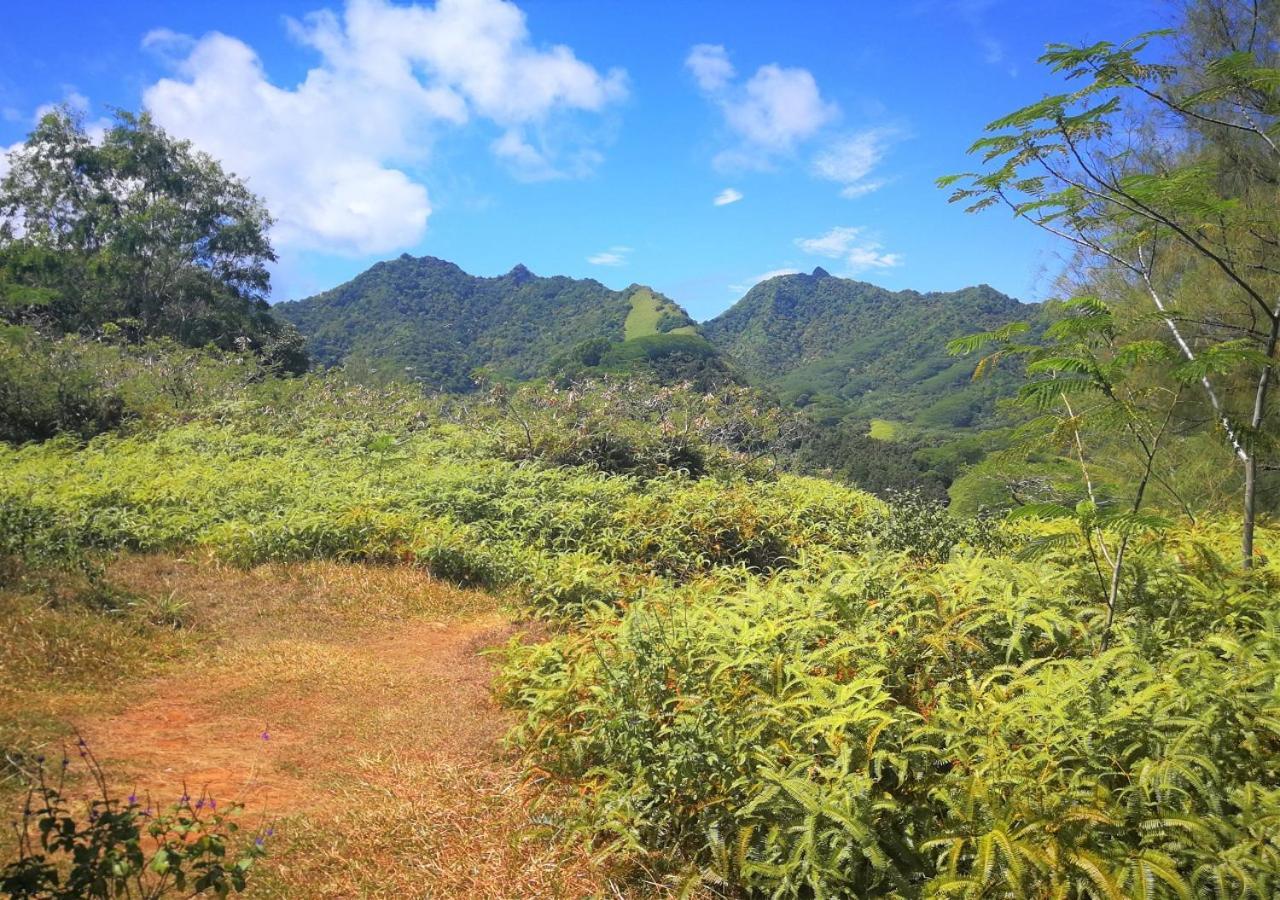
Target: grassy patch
(885,430)
(644,315)
(654,314)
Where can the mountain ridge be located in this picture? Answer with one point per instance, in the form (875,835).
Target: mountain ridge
(428,318)
(843,347)
(837,347)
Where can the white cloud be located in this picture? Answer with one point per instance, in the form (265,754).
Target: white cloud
(727,196)
(339,155)
(850,160)
(853,246)
(779,107)
(614,256)
(748,284)
(710,66)
(773,111)
(72,100)
(854,191)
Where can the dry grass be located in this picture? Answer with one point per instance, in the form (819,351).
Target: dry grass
(381,771)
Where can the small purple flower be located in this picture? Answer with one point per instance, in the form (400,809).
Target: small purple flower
(213,804)
(271,831)
(133,799)
(184,800)
(259,842)
(266,735)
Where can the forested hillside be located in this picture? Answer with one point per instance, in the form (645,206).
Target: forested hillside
(839,347)
(428,320)
(884,405)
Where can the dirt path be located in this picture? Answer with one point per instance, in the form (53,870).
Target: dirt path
(375,758)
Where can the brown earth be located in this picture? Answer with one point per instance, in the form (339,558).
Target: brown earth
(351,710)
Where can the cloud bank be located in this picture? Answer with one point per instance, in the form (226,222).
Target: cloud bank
(339,156)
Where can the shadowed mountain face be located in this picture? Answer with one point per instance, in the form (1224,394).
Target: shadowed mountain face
(846,347)
(428,319)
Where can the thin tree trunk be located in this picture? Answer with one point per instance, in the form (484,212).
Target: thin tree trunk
(1251,464)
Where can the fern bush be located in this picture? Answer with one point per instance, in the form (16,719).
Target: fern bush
(870,727)
(766,684)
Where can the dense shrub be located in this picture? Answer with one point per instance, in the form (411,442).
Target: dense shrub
(47,388)
(769,683)
(889,730)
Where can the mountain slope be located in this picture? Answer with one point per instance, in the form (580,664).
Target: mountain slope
(427,318)
(844,347)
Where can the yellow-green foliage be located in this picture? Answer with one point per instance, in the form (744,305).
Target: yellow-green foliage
(255,488)
(867,726)
(885,430)
(774,684)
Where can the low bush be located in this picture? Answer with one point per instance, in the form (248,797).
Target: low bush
(114,847)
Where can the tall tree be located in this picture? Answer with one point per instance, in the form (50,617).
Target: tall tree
(1167,173)
(137,229)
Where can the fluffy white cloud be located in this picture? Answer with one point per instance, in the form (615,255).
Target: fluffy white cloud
(779,107)
(851,160)
(744,286)
(853,246)
(770,113)
(710,66)
(338,156)
(614,256)
(727,196)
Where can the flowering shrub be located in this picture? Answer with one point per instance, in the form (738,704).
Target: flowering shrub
(124,848)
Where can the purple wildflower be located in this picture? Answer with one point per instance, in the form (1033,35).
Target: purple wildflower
(133,799)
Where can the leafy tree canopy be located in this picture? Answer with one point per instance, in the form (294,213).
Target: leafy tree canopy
(138,230)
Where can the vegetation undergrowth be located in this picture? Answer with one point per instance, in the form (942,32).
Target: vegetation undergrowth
(759,682)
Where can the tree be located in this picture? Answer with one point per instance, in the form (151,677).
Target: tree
(138,229)
(1084,375)
(1167,174)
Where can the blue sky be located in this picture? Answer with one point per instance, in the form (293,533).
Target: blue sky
(584,137)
